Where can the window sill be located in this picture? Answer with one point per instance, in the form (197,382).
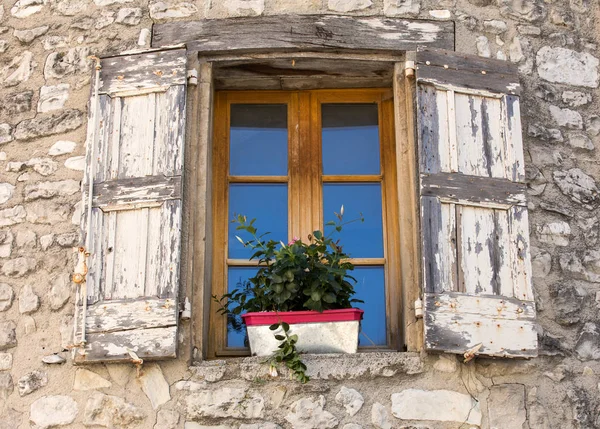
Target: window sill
(319,367)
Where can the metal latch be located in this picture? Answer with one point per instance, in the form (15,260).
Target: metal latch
(419,309)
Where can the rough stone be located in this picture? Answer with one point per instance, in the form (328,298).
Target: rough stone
(588,343)
(267,425)
(8,335)
(352,426)
(348,5)
(15,103)
(62,147)
(6,296)
(308,414)
(167,419)
(224,402)
(350,399)
(129,16)
(53,359)
(6,192)
(578,186)
(46,241)
(28,324)
(163,10)
(154,385)
(18,70)
(25,8)
(53,97)
(88,380)
(561,65)
(144,38)
(556,233)
(507,397)
(380,417)
(19,267)
(52,43)
(11,419)
(12,216)
(6,385)
(105,20)
(66,331)
(29,302)
(244,7)
(5,133)
(26,239)
(580,141)
(51,189)
(111,411)
(495,26)
(31,382)
(42,126)
(483,47)
(61,64)
(29,35)
(576,98)
(541,262)
(6,361)
(194,425)
(51,411)
(48,213)
(438,405)
(60,291)
(6,243)
(567,118)
(446,363)
(401,7)
(593,125)
(528,10)
(68,239)
(76,163)
(440,14)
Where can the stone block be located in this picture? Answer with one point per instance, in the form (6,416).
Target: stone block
(401,7)
(61,64)
(41,126)
(167,419)
(129,16)
(52,411)
(348,5)
(154,385)
(578,186)
(31,382)
(76,163)
(53,97)
(567,118)
(88,380)
(6,361)
(588,344)
(16,103)
(48,213)
(25,8)
(507,397)
(29,35)
(224,402)
(111,411)
(308,414)
(6,133)
(60,292)
(163,10)
(6,385)
(438,405)
(19,267)
(556,233)
(6,243)
(62,147)
(18,70)
(29,302)
(380,417)
(8,335)
(350,399)
(562,65)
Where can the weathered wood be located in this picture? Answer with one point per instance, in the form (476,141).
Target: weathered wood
(518,219)
(139,73)
(314,32)
(456,322)
(147,344)
(136,192)
(476,190)
(449,69)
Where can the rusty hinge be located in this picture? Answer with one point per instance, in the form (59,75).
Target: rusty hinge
(409,69)
(419,309)
(192,76)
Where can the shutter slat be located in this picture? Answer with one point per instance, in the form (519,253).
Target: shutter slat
(474,226)
(133,279)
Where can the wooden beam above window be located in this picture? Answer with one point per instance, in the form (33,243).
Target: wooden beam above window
(305,32)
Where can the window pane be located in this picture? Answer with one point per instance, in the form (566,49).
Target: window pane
(267,203)
(258,140)
(236,330)
(350,139)
(359,239)
(370,287)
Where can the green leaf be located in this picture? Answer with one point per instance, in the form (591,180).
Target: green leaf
(274,326)
(329,298)
(318,235)
(285,327)
(279,337)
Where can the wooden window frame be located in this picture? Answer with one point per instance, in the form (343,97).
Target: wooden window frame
(198,193)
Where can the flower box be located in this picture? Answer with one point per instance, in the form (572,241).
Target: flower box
(332,331)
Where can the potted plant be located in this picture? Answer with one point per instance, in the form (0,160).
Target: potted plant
(302,294)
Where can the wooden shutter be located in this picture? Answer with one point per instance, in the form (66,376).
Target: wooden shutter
(135,157)
(474,225)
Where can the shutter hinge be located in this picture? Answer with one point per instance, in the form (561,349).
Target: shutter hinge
(409,69)
(186,312)
(419,309)
(192,76)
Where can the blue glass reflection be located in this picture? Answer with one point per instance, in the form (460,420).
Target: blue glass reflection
(370,287)
(359,240)
(236,330)
(350,139)
(268,203)
(258,140)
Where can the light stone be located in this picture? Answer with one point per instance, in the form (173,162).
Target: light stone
(561,65)
(244,7)
(440,14)
(111,411)
(350,399)
(46,241)
(43,166)
(580,141)
(88,380)
(52,43)
(12,215)
(556,233)
(145,36)
(25,8)
(51,411)
(446,363)
(60,292)
(110,2)
(28,36)
(61,64)
(129,16)
(28,324)
(352,426)
(6,192)
(53,359)
(348,5)
(53,97)
(48,213)
(66,331)
(224,402)
(167,419)
(51,189)
(105,20)
(507,397)
(163,10)
(6,243)
(19,69)
(401,7)
(120,373)
(6,361)
(76,218)
(62,147)
(267,425)
(3,46)
(5,133)
(19,267)
(593,125)
(308,414)
(26,238)
(438,405)
(2,156)
(154,385)
(76,163)
(576,98)
(380,417)
(541,263)
(566,117)
(495,26)
(6,386)
(31,382)
(29,302)
(194,425)
(8,335)
(578,186)
(68,239)
(588,344)
(483,47)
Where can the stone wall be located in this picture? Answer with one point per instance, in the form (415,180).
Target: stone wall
(44,78)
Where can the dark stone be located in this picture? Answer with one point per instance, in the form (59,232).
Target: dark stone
(552,345)
(527,10)
(588,344)
(567,301)
(16,103)
(546,92)
(41,126)
(585,408)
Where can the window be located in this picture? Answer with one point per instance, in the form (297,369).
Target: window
(291,159)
